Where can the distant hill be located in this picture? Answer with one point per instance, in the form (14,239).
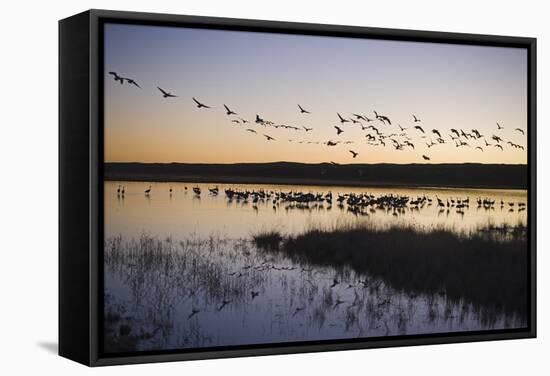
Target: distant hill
(439,175)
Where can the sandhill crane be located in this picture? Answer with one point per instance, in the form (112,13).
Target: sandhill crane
(131,82)
(419,128)
(170,190)
(118,190)
(117,77)
(228,111)
(416,120)
(496,138)
(355,154)
(499,146)
(269,138)
(123,190)
(338,129)
(251,130)
(520,130)
(382,118)
(499,127)
(342,120)
(425,157)
(331,143)
(435,131)
(166,94)
(479,147)
(259,120)
(147,191)
(455,132)
(359,117)
(199,104)
(402,128)
(307,129)
(302,110)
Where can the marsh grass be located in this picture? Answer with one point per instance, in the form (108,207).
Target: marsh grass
(488,271)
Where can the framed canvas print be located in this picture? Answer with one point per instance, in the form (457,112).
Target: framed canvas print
(239,187)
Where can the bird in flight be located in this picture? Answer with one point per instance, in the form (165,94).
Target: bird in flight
(259,120)
(360,117)
(416,120)
(520,130)
(269,138)
(166,94)
(307,129)
(425,157)
(251,130)
(228,111)
(131,81)
(479,147)
(382,118)
(499,127)
(338,129)
(355,154)
(496,138)
(402,128)
(331,143)
(435,131)
(199,104)
(499,146)
(419,128)
(303,111)
(342,120)
(117,77)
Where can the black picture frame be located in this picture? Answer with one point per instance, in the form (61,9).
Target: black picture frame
(81,184)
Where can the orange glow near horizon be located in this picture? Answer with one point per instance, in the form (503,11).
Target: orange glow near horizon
(446,86)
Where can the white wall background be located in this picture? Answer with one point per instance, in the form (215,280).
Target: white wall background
(28,189)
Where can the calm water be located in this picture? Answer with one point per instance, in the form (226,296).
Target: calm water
(181,270)
(184,213)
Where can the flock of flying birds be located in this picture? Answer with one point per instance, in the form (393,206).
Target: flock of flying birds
(377,134)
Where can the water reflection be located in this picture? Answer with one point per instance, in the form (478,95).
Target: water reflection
(183,212)
(182,269)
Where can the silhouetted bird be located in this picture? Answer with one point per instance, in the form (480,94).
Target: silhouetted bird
(302,111)
(435,131)
(338,129)
(425,157)
(228,111)
(269,138)
(416,120)
(355,154)
(342,120)
(479,147)
(132,82)
(166,94)
(499,146)
(419,128)
(199,104)
(499,126)
(117,77)
(520,130)
(251,130)
(307,129)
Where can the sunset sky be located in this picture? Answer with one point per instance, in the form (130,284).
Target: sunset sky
(446,86)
